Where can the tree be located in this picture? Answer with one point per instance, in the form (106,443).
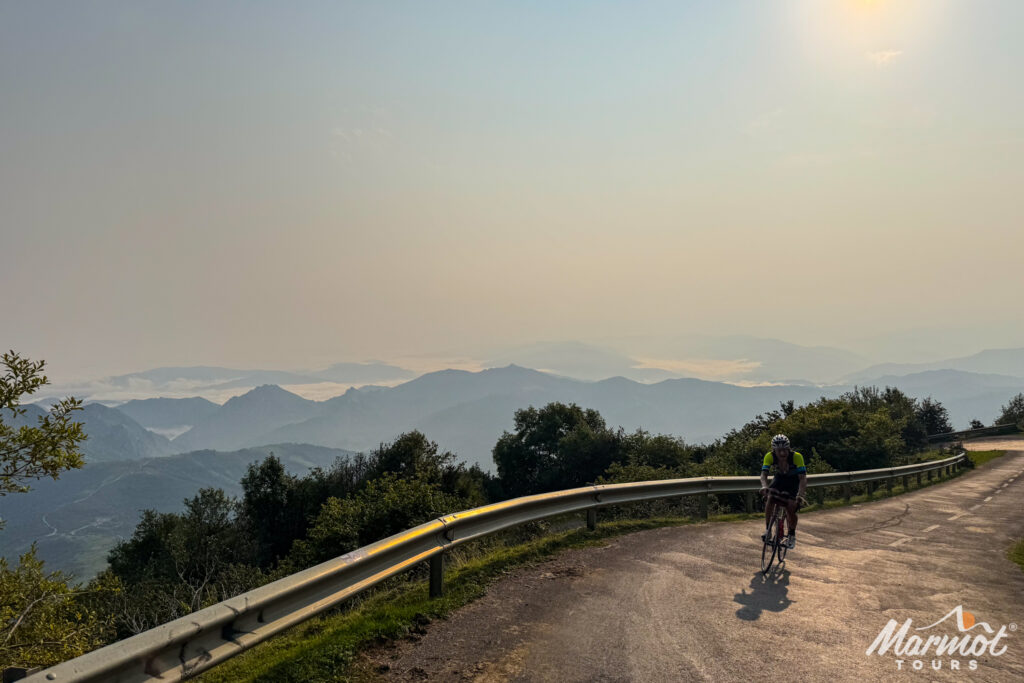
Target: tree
(44,619)
(1012,412)
(28,452)
(558,446)
(661,450)
(269,509)
(205,544)
(934,416)
(648,458)
(410,456)
(386,506)
(175,564)
(977,424)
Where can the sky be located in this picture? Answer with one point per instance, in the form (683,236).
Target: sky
(259,184)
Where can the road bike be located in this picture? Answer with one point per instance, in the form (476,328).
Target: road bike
(775,540)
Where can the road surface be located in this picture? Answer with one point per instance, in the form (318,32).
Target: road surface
(690,604)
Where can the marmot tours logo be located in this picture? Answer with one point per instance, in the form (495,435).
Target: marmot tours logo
(954,643)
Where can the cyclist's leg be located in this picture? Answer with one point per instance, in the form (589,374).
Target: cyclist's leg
(791,514)
(770,503)
(791,506)
(769,514)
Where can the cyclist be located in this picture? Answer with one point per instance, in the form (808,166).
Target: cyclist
(790,478)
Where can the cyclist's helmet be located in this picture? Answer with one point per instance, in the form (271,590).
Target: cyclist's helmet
(780,441)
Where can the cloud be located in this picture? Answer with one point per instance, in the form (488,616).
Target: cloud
(702,368)
(883,57)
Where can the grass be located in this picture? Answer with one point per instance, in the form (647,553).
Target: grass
(932,454)
(326,647)
(1016,554)
(979,458)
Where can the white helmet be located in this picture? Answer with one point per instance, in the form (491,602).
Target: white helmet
(780,441)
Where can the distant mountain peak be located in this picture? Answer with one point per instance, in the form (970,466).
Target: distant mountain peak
(269,389)
(266,393)
(513,369)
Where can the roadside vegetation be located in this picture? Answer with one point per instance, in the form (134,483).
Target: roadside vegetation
(1016,554)
(220,546)
(979,458)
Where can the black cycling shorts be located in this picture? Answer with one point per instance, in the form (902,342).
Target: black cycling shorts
(790,485)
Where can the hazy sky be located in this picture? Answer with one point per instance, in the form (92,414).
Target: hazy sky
(290,184)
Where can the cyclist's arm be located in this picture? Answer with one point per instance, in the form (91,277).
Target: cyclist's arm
(801,471)
(765,466)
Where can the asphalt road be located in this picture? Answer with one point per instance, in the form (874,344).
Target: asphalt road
(690,604)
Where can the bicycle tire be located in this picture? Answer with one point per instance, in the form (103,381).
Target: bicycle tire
(767,556)
(781,542)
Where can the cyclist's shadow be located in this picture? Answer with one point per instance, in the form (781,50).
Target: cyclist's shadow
(767,593)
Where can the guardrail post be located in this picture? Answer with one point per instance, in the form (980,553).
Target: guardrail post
(888,485)
(906,483)
(869,486)
(748,501)
(437,575)
(591,519)
(919,479)
(704,505)
(846,492)
(930,474)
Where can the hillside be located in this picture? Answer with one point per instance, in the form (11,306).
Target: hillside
(991,361)
(168,413)
(76,519)
(112,434)
(241,420)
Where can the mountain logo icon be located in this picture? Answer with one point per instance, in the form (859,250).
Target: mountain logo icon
(964,621)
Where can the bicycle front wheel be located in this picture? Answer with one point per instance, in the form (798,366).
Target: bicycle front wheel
(768,555)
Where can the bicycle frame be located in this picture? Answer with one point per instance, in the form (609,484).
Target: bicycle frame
(776,530)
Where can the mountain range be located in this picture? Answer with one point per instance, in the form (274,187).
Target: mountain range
(153,453)
(220,383)
(991,361)
(467,411)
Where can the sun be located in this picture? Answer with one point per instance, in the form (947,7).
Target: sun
(859,33)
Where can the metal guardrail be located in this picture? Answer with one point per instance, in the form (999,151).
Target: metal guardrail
(196,642)
(995,430)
